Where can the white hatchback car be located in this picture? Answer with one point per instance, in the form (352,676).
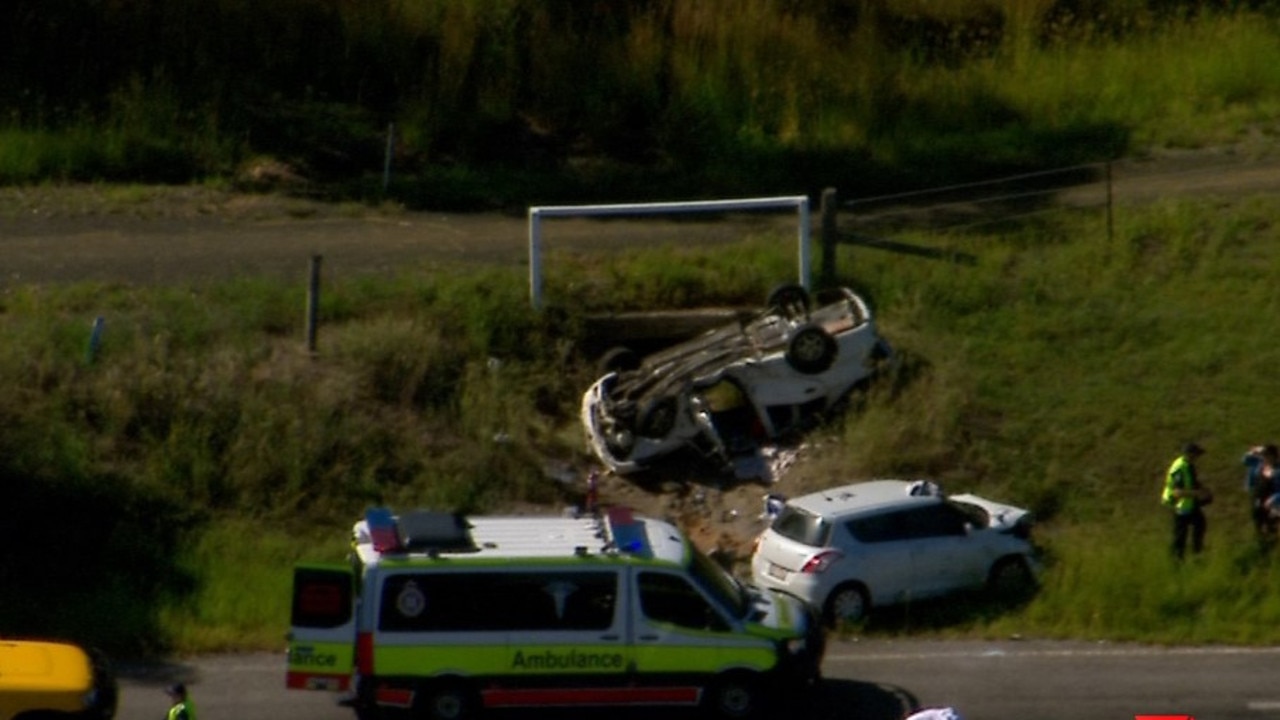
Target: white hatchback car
(884,542)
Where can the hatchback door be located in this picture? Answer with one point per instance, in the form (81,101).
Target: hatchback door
(945,555)
(322,636)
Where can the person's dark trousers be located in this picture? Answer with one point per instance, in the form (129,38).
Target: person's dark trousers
(1183,523)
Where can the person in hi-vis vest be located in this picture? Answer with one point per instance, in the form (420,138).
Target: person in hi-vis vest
(182,708)
(1187,497)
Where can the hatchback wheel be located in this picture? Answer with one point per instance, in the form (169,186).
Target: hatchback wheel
(789,298)
(658,417)
(847,604)
(812,350)
(1011,579)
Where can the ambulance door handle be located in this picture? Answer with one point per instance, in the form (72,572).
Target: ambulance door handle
(648,637)
(609,637)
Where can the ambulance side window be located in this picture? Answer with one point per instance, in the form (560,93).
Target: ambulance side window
(558,601)
(672,599)
(498,601)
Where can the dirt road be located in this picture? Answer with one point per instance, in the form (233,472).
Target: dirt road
(178,234)
(166,235)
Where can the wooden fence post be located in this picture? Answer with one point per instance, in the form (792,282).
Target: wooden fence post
(95,339)
(1110,207)
(313,303)
(830,236)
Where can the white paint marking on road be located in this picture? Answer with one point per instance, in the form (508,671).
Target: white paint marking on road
(1075,652)
(1263,705)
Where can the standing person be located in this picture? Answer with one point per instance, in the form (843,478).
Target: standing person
(1262,481)
(182,708)
(1184,493)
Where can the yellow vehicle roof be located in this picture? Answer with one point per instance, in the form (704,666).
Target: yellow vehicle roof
(37,675)
(29,664)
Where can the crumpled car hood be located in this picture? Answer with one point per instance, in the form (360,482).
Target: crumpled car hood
(1003,517)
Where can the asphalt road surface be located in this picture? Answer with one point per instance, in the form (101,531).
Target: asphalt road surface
(865,680)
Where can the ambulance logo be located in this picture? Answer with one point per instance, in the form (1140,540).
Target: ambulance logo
(411,601)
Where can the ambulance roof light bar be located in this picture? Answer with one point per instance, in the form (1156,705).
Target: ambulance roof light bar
(427,531)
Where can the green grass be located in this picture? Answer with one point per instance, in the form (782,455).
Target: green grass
(1061,371)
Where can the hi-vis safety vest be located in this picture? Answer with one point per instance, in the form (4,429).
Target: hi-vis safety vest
(182,711)
(1181,476)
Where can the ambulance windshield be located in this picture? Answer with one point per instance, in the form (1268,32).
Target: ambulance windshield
(723,586)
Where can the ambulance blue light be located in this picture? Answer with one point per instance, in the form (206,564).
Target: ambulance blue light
(628,533)
(382,529)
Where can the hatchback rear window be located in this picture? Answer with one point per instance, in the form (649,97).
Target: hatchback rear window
(802,526)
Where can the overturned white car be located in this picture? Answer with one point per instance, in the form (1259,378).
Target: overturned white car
(724,392)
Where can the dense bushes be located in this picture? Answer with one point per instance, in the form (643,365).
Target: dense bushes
(703,96)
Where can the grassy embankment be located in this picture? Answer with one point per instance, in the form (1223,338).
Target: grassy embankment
(179,474)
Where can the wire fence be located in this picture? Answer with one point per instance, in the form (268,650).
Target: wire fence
(874,221)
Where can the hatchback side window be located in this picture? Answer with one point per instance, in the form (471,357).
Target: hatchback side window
(884,527)
(938,520)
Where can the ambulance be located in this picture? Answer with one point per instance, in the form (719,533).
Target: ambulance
(440,616)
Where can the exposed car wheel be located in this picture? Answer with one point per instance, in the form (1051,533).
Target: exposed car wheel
(848,603)
(812,350)
(1011,579)
(734,696)
(789,297)
(657,418)
(448,700)
(618,359)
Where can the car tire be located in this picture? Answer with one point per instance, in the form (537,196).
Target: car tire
(734,696)
(1011,579)
(446,700)
(789,298)
(811,350)
(848,603)
(618,359)
(657,418)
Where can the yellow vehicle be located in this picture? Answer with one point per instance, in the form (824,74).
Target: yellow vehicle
(439,616)
(42,679)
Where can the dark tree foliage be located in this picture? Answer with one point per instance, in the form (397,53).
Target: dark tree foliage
(318,82)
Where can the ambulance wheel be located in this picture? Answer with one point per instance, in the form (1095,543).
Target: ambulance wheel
(446,700)
(734,696)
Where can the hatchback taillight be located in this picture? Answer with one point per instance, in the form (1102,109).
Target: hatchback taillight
(820,562)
